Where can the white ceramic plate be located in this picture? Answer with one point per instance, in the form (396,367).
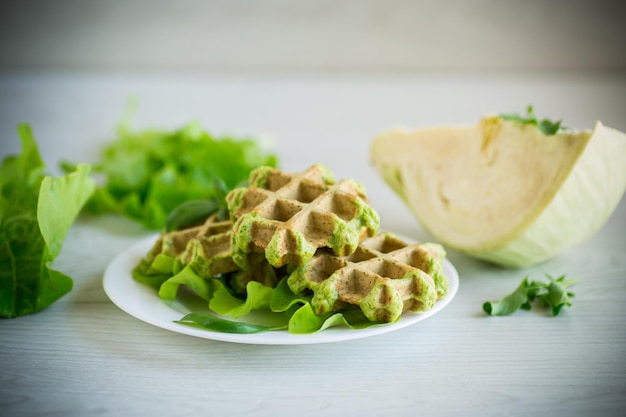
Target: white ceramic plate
(143,303)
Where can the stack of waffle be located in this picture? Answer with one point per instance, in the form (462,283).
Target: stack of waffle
(322,235)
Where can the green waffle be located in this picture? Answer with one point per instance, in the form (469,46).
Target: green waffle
(289,216)
(205,247)
(208,250)
(385,276)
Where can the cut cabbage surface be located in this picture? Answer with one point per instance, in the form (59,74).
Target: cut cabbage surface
(503,191)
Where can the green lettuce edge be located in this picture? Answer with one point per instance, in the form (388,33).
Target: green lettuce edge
(290,311)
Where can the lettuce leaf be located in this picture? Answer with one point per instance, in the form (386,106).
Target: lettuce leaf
(36,212)
(149,173)
(280,305)
(304,320)
(258,297)
(189,279)
(154,272)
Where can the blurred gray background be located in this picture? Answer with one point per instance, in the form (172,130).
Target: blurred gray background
(323,35)
(305,74)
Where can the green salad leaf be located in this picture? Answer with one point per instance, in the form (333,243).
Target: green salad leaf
(209,321)
(554,294)
(149,173)
(304,320)
(191,280)
(284,308)
(548,127)
(155,272)
(36,212)
(223,302)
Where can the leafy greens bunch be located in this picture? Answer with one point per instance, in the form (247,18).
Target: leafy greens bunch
(147,174)
(36,212)
(553,293)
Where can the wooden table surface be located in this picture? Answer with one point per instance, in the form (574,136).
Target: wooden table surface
(83,356)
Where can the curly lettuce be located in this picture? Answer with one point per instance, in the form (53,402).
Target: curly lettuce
(147,174)
(280,305)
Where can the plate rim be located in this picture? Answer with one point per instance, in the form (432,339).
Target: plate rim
(118,284)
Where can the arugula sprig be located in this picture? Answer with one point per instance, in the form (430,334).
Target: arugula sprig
(209,321)
(554,294)
(548,127)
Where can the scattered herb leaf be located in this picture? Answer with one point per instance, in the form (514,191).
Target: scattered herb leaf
(557,295)
(518,299)
(553,294)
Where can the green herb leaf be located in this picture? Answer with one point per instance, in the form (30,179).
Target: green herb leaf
(553,294)
(190,213)
(556,295)
(211,322)
(546,126)
(511,303)
(549,127)
(36,212)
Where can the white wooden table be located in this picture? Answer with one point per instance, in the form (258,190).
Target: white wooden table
(84,356)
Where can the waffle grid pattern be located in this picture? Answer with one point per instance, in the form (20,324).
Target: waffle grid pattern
(385,276)
(290,216)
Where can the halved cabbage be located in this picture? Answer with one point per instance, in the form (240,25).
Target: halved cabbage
(503,191)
